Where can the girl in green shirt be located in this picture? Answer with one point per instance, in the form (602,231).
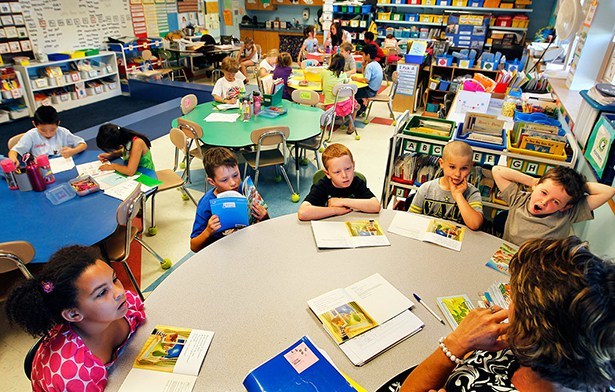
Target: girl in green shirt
(330,77)
(132,147)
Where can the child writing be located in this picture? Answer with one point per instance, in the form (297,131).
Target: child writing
(223,175)
(372,75)
(228,88)
(283,71)
(310,43)
(47,137)
(122,142)
(350,65)
(330,77)
(248,56)
(340,191)
(86,318)
(558,199)
(450,196)
(269,63)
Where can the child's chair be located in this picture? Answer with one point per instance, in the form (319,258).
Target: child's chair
(277,157)
(14,255)
(194,133)
(116,247)
(386,96)
(342,91)
(176,71)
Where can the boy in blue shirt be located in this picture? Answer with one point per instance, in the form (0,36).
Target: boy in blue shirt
(223,175)
(372,75)
(47,138)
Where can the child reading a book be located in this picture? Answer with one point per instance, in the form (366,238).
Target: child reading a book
(228,88)
(451,196)
(269,63)
(223,175)
(86,318)
(558,199)
(133,147)
(47,137)
(340,191)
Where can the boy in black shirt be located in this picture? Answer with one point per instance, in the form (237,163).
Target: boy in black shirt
(340,192)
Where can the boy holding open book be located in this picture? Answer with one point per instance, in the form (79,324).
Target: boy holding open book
(451,196)
(340,191)
(223,175)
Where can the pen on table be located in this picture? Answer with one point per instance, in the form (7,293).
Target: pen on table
(428,308)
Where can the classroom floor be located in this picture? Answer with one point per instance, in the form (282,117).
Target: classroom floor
(174,219)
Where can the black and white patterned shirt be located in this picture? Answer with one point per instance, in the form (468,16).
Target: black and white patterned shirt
(484,371)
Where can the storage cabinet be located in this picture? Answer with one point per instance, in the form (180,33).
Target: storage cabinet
(353,18)
(70,83)
(257,5)
(13,101)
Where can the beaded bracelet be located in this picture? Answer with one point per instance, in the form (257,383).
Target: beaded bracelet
(447,352)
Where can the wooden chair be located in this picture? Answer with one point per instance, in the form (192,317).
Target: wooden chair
(387,97)
(14,140)
(269,137)
(342,91)
(14,255)
(188,103)
(116,247)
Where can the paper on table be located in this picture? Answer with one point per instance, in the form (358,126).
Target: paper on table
(123,190)
(91,169)
(222,117)
(226,106)
(61,164)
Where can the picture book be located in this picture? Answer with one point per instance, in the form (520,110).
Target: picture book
(251,193)
(455,308)
(350,234)
(232,209)
(169,360)
(366,318)
(501,258)
(300,367)
(423,228)
(498,294)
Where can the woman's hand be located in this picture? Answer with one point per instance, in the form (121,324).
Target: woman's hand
(481,329)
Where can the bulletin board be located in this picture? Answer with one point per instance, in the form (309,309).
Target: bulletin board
(64,25)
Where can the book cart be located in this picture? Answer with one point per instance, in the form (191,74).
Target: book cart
(402,179)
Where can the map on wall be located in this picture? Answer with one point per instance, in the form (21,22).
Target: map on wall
(64,25)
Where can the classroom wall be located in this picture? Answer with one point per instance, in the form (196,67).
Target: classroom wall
(286,13)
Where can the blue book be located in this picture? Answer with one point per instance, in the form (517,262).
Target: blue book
(301,367)
(232,209)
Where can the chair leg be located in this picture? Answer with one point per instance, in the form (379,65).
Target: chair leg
(183,187)
(369,109)
(152,224)
(165,263)
(256,177)
(133,280)
(290,186)
(391,111)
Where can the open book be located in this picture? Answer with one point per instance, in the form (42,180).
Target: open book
(251,193)
(423,228)
(232,209)
(366,318)
(351,234)
(301,367)
(455,308)
(501,258)
(169,360)
(115,184)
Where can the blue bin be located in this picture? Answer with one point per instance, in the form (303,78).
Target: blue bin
(477,143)
(444,85)
(366,9)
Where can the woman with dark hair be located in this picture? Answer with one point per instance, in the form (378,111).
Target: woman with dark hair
(332,76)
(560,334)
(131,146)
(337,36)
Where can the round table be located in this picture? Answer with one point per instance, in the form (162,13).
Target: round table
(297,77)
(252,288)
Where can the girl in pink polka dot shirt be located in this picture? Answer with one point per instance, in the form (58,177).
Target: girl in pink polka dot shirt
(86,318)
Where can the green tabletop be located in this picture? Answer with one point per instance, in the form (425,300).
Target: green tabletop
(303,121)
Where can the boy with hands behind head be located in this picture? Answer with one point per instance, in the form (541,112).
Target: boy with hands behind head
(340,192)
(558,199)
(450,196)
(223,175)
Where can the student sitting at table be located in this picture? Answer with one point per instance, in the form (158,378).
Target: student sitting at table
(47,137)
(451,196)
(228,88)
(350,65)
(559,335)
(330,77)
(131,146)
(558,199)
(283,71)
(223,175)
(84,314)
(340,191)
(372,75)
(310,43)
(248,56)
(269,63)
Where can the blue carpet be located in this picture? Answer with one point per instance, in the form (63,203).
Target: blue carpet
(275,194)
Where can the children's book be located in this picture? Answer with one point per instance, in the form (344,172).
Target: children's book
(423,228)
(498,294)
(301,367)
(169,360)
(350,234)
(455,308)
(232,209)
(366,318)
(251,193)
(501,258)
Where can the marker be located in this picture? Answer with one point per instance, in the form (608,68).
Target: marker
(428,308)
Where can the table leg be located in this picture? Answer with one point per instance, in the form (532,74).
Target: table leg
(297,166)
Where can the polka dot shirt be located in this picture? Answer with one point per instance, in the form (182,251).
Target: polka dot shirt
(64,363)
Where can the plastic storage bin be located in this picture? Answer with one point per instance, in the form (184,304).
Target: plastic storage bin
(412,17)
(503,21)
(273,99)
(477,143)
(58,56)
(475,3)
(59,194)
(420,126)
(84,185)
